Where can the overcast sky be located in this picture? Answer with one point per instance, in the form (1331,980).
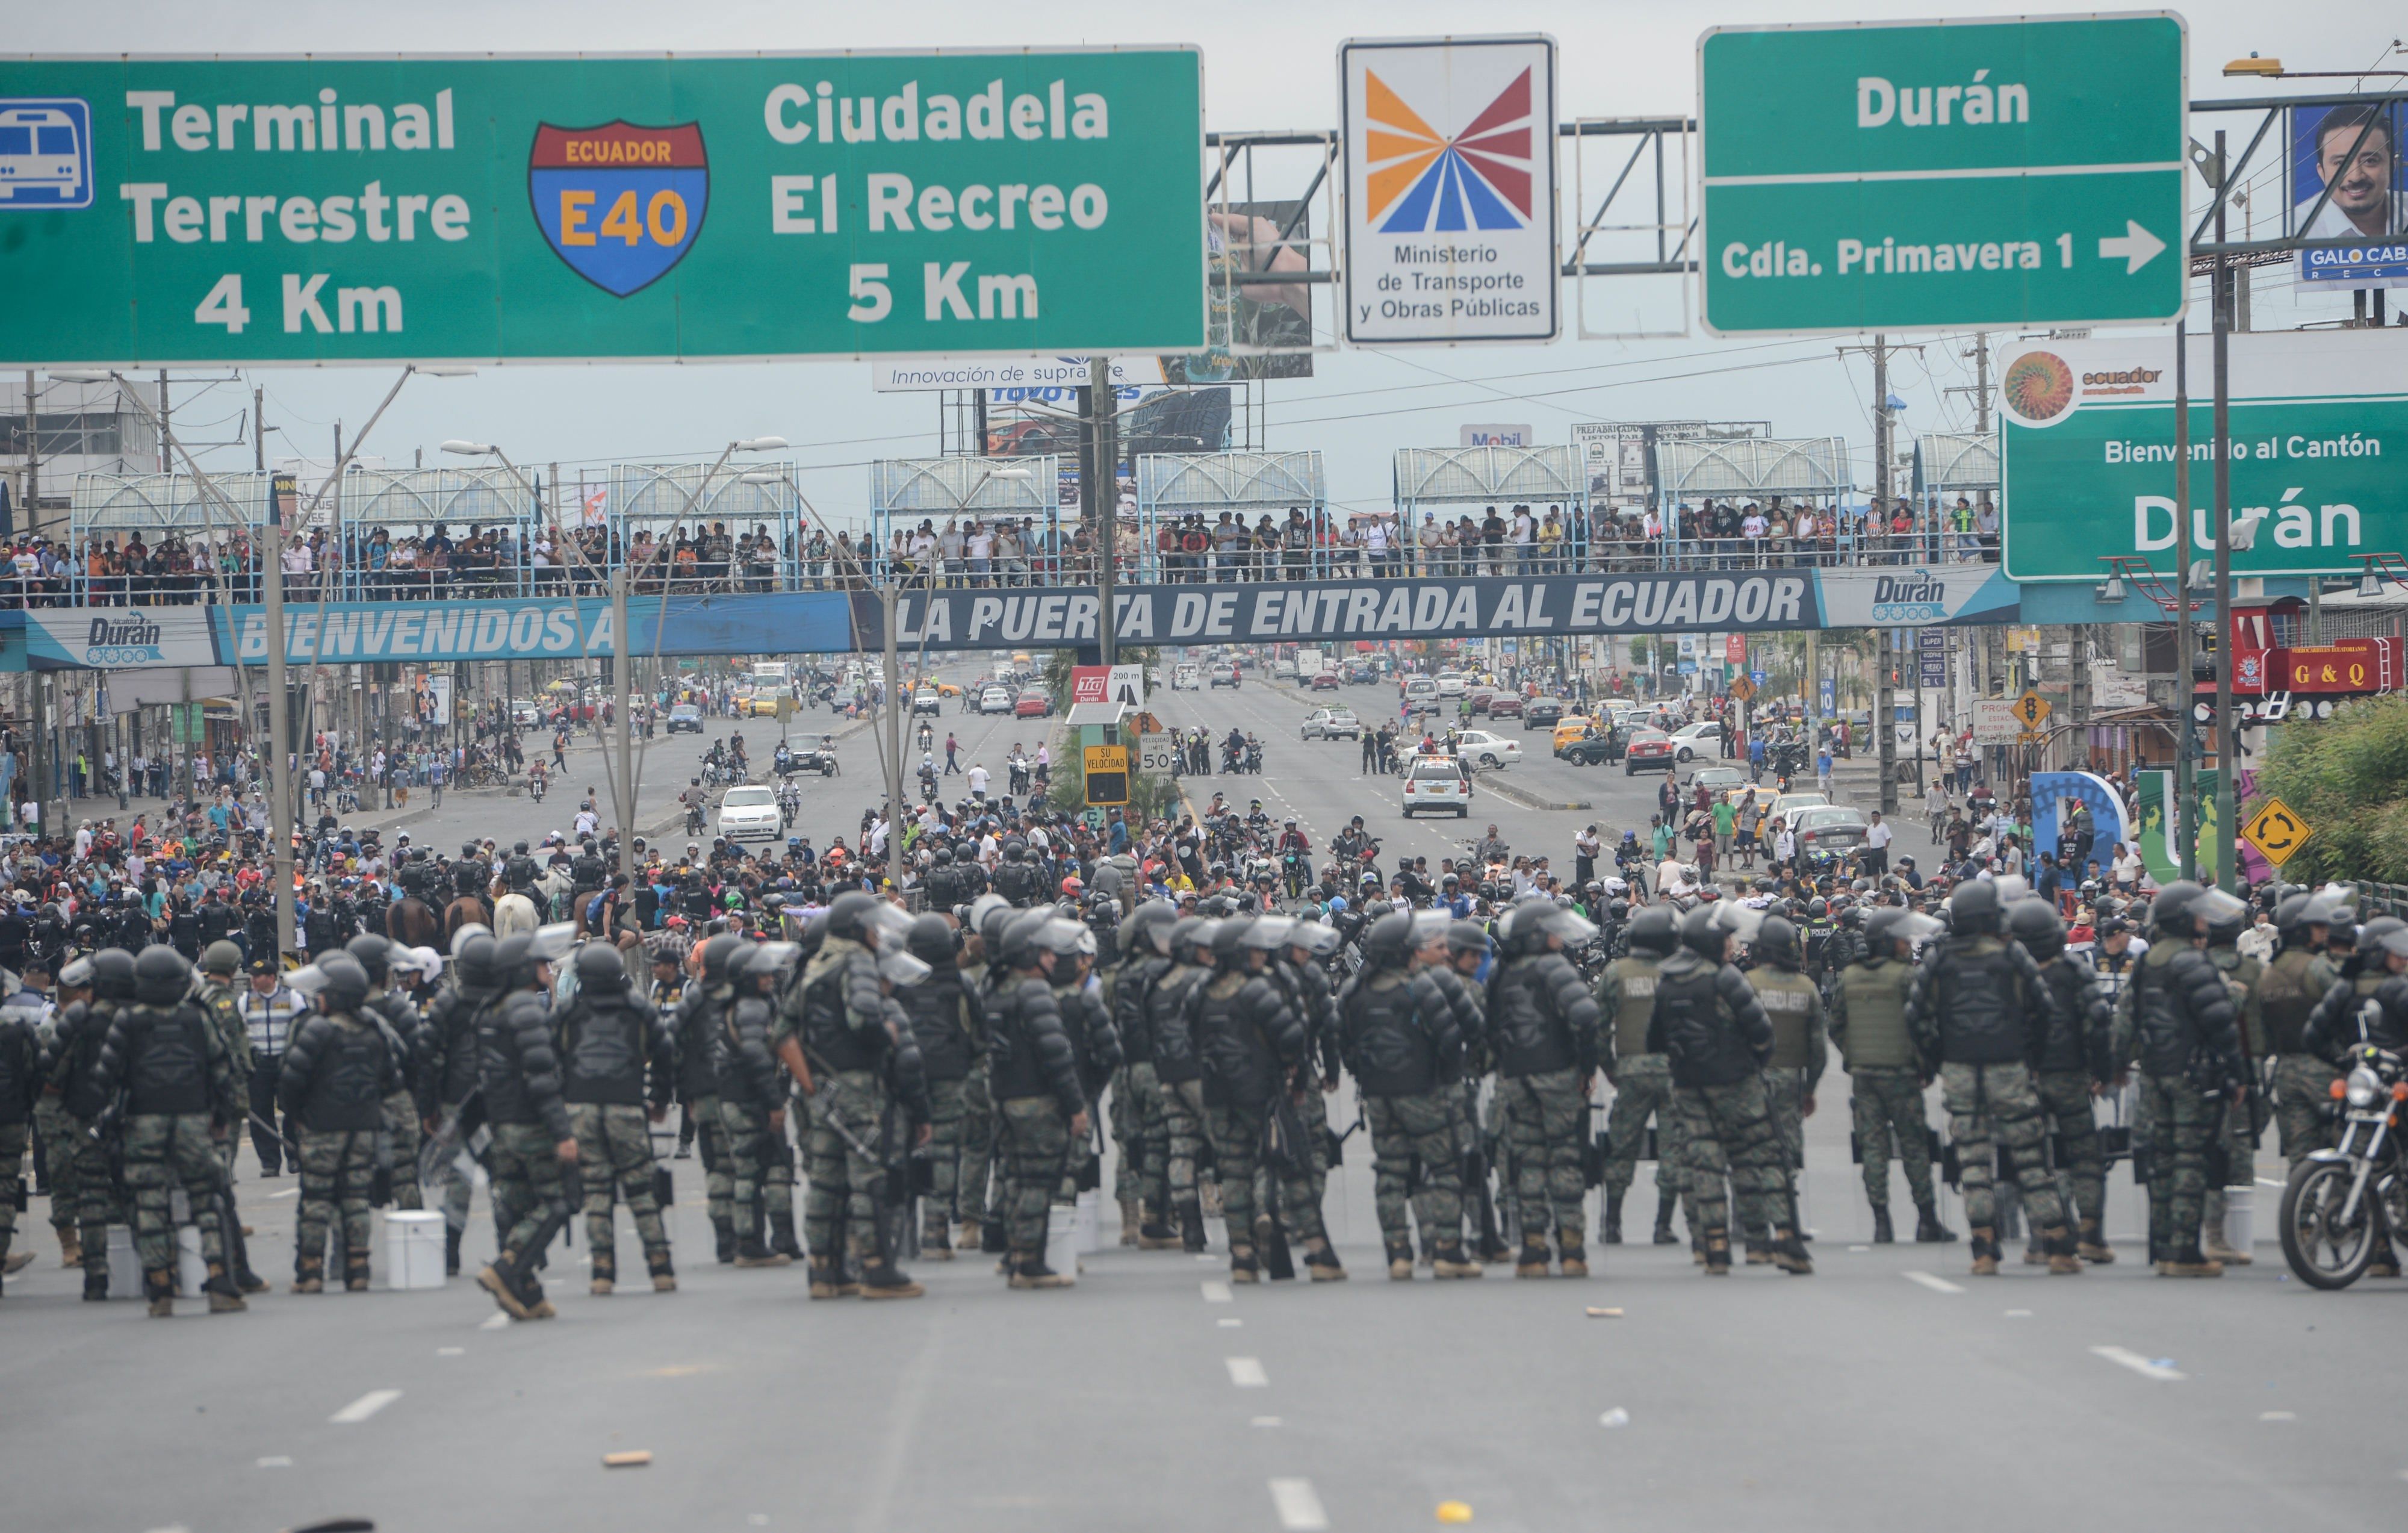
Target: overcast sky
(1266,65)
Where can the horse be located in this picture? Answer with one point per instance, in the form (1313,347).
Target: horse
(410,921)
(514,913)
(465,910)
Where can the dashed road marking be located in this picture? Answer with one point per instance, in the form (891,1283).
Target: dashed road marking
(366,1406)
(288,1192)
(449,1352)
(1229,1325)
(1247,1372)
(277,1462)
(1274,1421)
(2125,1357)
(1217,1293)
(1300,1507)
(495,1322)
(1936,1283)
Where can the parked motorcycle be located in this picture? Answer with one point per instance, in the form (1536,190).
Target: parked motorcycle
(2341,1206)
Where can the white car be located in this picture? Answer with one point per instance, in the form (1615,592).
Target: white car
(526,713)
(1329,723)
(1187,679)
(1436,783)
(1702,739)
(750,814)
(996,699)
(1451,684)
(1421,693)
(1485,749)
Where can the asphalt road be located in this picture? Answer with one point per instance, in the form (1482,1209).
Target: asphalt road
(1890,1390)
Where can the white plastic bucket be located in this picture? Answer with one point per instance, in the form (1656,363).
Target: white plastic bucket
(192,1268)
(1062,1239)
(2239,1217)
(1090,1238)
(413,1249)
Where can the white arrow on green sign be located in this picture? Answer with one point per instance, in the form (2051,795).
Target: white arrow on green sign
(1927,175)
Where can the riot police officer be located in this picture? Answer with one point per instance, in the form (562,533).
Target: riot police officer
(2073,1070)
(618,1071)
(1793,1003)
(1398,1035)
(2178,1021)
(340,1069)
(1643,1081)
(1979,1013)
(1886,1080)
(1033,1074)
(1543,1036)
(533,1151)
(1139,1125)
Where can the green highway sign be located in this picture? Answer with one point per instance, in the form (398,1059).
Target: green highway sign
(2319,425)
(292,210)
(1927,175)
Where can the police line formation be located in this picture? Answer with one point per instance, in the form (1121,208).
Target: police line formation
(962,1061)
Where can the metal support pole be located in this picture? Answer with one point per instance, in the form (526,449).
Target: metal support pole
(1885,707)
(2184,823)
(279,777)
(622,664)
(2227,762)
(890,604)
(1101,480)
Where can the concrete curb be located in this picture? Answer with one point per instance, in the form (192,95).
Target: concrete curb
(1491,781)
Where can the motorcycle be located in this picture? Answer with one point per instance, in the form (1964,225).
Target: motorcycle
(2341,1206)
(1298,870)
(693,820)
(927,786)
(790,804)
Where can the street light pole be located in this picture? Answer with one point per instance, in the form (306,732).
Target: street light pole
(2227,759)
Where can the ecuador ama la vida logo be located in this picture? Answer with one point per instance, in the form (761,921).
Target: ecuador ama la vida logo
(621,204)
(1422,181)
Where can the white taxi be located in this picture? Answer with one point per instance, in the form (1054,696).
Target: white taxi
(750,814)
(1435,784)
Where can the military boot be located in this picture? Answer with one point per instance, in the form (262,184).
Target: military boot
(1760,1254)
(1242,1267)
(722,1233)
(605,1276)
(2058,1245)
(356,1271)
(2385,1262)
(663,1275)
(451,1252)
(70,1247)
(782,1236)
(309,1276)
(2092,1244)
(1401,1261)
(2035,1248)
(936,1243)
(159,1287)
(498,1278)
(2218,1251)
(995,1239)
(750,1252)
(823,1278)
(884,1280)
(1153,1235)
(96,1284)
(1788,1253)
(224,1298)
(968,1234)
(12,1264)
(1532,1262)
(1882,1232)
(248,1282)
(1030,1271)
(1713,1253)
(1321,1263)
(1130,1220)
(1664,1235)
(530,1291)
(1452,1261)
(1985,1252)
(1571,1257)
(1191,1227)
(1609,1228)
(1928,1230)
(2190,1262)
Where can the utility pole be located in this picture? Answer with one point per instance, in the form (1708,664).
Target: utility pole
(890,603)
(2183,823)
(2227,759)
(279,777)
(37,681)
(1885,728)
(1100,481)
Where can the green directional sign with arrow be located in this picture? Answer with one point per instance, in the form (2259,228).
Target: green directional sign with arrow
(1927,174)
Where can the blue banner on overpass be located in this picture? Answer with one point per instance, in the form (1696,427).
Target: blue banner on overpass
(833,622)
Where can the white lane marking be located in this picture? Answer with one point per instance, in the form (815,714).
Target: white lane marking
(288,1192)
(278,1462)
(495,1322)
(1936,1283)
(2268,1182)
(449,1352)
(1229,1324)
(2278,1416)
(1300,1507)
(1274,1421)
(2018,1314)
(2125,1357)
(1217,1293)
(1246,1372)
(366,1406)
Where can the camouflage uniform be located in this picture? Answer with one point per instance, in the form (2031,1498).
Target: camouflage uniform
(2232,1159)
(2176,1016)
(1543,1032)
(339,1071)
(1403,1040)
(2287,993)
(1726,1133)
(1179,1074)
(180,1095)
(1885,1085)
(216,997)
(1642,1088)
(866,1070)
(1794,1004)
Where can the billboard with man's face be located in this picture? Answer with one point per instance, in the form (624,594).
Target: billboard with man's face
(2353,151)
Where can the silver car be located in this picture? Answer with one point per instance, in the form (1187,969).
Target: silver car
(1329,723)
